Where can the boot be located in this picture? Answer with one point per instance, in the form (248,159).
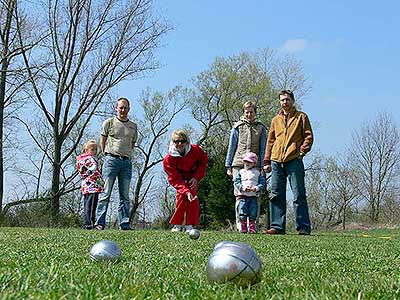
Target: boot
(243,224)
(253,226)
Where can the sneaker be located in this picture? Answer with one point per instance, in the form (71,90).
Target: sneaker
(99,227)
(176,228)
(188,228)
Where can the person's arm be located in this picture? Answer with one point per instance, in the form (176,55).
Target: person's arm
(134,139)
(104,133)
(202,167)
(270,143)
(263,144)
(307,136)
(238,181)
(232,146)
(103,140)
(261,183)
(174,177)
(80,166)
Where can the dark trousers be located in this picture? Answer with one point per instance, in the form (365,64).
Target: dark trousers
(89,209)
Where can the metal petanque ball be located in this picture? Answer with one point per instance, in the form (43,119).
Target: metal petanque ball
(234,262)
(194,234)
(239,244)
(105,251)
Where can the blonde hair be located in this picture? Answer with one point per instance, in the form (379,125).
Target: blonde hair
(181,134)
(89,144)
(248,104)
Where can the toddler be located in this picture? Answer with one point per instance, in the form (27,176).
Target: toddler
(92,181)
(249,182)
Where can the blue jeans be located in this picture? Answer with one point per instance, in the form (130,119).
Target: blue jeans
(113,168)
(248,207)
(294,171)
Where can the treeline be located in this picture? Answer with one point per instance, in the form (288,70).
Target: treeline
(58,83)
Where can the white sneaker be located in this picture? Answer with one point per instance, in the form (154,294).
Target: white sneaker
(176,228)
(188,228)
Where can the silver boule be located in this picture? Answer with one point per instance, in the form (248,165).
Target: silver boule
(105,250)
(234,262)
(194,234)
(239,244)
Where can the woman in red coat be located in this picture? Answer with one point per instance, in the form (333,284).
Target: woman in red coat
(185,165)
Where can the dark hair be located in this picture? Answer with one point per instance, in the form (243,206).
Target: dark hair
(287,92)
(123,98)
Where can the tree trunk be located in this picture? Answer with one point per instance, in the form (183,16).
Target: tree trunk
(2,100)
(55,183)
(5,61)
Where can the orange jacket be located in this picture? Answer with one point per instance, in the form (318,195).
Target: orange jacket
(287,139)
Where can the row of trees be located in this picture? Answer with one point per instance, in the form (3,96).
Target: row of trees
(361,184)
(57,86)
(60,62)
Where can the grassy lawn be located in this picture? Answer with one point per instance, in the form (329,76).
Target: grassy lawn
(55,264)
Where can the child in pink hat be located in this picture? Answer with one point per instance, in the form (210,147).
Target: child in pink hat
(249,182)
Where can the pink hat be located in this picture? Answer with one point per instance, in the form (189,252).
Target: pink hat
(250,157)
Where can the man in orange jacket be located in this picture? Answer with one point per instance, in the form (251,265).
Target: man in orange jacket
(290,137)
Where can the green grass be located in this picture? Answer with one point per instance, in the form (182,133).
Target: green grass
(54,264)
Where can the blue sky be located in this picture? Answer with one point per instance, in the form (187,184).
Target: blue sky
(349,49)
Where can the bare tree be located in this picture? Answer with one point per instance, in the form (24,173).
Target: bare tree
(159,111)
(10,80)
(166,204)
(376,157)
(91,47)
(288,73)
(344,183)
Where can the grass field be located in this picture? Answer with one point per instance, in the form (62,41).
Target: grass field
(54,264)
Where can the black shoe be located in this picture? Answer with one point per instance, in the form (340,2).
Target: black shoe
(125,228)
(304,232)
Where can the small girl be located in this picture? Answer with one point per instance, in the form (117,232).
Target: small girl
(249,182)
(92,181)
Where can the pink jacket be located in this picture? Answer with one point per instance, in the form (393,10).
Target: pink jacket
(88,168)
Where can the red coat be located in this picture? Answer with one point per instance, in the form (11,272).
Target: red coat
(180,169)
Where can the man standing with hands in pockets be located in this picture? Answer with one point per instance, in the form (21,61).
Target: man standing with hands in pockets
(290,137)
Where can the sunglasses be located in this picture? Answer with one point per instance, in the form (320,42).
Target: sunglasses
(179,141)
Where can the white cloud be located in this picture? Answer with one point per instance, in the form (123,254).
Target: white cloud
(295,45)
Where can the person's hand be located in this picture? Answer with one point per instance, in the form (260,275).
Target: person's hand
(193,184)
(229,172)
(191,197)
(250,189)
(267,168)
